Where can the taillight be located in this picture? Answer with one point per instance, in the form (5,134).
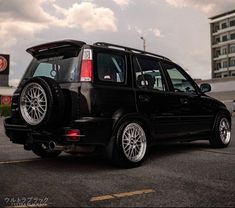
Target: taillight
(86,74)
(73,134)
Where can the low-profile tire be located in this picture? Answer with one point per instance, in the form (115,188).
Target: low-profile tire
(130,145)
(40,151)
(221,135)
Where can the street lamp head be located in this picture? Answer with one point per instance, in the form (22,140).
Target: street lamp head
(144,42)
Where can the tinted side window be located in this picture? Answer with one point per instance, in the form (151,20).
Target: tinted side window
(148,74)
(178,79)
(110,67)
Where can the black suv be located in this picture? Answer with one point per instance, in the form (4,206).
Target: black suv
(77,95)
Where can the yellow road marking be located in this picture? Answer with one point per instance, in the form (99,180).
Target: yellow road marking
(101,198)
(18,161)
(144,191)
(124,194)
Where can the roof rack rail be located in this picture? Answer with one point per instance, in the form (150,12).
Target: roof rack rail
(104,44)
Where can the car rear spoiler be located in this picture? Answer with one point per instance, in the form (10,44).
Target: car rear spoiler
(54,45)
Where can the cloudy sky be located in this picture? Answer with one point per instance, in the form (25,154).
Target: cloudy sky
(178,29)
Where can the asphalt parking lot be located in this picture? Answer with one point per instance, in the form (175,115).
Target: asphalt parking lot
(182,174)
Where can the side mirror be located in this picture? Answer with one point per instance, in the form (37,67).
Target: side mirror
(205,87)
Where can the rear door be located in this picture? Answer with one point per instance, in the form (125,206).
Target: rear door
(112,93)
(154,99)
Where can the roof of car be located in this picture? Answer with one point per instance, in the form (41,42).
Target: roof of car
(128,49)
(65,43)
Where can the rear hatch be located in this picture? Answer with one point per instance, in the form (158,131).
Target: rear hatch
(60,61)
(57,60)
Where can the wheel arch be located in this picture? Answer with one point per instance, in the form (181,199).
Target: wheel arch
(113,149)
(215,138)
(219,113)
(123,116)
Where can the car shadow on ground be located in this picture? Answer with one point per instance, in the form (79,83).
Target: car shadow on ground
(98,162)
(168,149)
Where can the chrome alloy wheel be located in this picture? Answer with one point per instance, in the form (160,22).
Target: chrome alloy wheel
(33,103)
(134,142)
(224,130)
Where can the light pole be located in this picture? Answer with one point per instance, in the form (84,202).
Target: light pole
(144,42)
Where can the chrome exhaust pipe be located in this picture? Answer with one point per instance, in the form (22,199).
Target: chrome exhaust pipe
(70,148)
(51,145)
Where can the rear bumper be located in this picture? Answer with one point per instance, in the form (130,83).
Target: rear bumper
(17,132)
(93,131)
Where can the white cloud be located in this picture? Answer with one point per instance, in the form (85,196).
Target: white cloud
(178,3)
(11,32)
(135,28)
(22,19)
(156,32)
(144,32)
(122,2)
(138,30)
(88,16)
(24,10)
(207,6)
(198,4)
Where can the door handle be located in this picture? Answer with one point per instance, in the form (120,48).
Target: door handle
(184,101)
(144,98)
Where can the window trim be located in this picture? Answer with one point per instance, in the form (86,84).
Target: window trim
(230,21)
(95,67)
(184,73)
(232,48)
(232,34)
(164,80)
(224,38)
(222,23)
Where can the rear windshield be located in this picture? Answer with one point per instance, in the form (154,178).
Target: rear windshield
(60,68)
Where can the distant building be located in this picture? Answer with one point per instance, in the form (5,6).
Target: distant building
(223,45)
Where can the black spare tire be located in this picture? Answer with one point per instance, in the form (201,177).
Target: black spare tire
(42,103)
